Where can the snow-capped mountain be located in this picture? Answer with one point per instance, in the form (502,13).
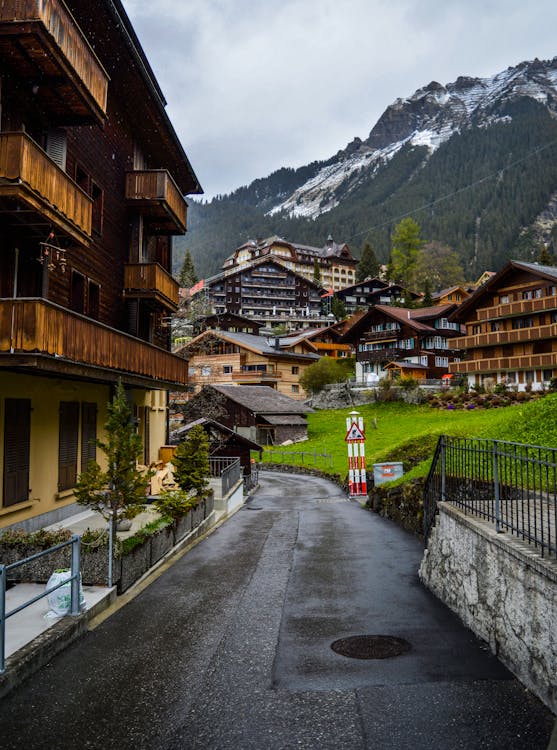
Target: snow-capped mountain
(427,118)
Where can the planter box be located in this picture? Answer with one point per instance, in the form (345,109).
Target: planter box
(134,565)
(183,527)
(198,515)
(37,571)
(161,543)
(209,504)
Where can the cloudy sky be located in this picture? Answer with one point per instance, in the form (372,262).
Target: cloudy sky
(253,85)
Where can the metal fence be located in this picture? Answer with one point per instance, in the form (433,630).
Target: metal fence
(73,580)
(509,484)
(303,458)
(228,470)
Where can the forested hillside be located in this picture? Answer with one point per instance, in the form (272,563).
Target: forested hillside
(479,192)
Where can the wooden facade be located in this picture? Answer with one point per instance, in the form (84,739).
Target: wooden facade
(511,328)
(387,335)
(92,186)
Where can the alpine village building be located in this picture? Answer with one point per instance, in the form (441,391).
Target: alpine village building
(418,342)
(92,179)
(511,328)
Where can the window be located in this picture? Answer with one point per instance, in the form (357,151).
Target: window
(93,299)
(295,388)
(67,444)
(441,361)
(227,369)
(424,361)
(17,446)
(504,299)
(77,292)
(88,434)
(295,370)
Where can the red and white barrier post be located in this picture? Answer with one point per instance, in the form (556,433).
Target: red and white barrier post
(355,439)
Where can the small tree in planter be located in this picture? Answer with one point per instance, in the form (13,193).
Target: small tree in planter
(121,489)
(191,462)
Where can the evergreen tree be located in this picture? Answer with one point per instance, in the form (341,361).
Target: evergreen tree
(545,257)
(338,308)
(187,277)
(406,245)
(316,271)
(427,300)
(191,461)
(121,489)
(368,265)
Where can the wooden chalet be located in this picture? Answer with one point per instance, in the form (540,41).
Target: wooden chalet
(226,322)
(370,292)
(258,413)
(220,357)
(453,295)
(92,186)
(511,328)
(387,335)
(325,341)
(224,442)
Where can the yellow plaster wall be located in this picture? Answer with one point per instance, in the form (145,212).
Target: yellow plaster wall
(45,395)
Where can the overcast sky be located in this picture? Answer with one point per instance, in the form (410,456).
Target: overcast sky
(253,85)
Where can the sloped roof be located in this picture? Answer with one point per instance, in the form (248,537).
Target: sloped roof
(204,421)
(436,311)
(262,399)
(290,419)
(257,344)
(470,303)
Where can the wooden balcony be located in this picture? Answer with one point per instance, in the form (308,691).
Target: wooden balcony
(254,376)
(497,364)
(30,180)
(390,335)
(38,336)
(151,281)
(516,336)
(41,42)
(520,307)
(155,194)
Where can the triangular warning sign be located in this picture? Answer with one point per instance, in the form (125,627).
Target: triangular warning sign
(354,433)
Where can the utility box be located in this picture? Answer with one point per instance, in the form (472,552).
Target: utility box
(387,471)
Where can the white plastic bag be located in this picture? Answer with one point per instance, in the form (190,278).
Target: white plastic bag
(60,600)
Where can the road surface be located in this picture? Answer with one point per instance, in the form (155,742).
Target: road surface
(231,649)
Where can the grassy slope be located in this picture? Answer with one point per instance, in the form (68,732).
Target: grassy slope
(404,430)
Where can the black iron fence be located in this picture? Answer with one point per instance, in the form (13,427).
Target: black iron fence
(511,485)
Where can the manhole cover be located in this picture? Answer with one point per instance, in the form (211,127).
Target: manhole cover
(371,646)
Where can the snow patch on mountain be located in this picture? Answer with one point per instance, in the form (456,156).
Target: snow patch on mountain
(429,117)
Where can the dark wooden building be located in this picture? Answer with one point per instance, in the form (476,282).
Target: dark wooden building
(92,186)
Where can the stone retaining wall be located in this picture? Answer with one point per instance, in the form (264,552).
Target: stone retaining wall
(502,590)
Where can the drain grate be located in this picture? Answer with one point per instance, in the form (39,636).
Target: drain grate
(371,646)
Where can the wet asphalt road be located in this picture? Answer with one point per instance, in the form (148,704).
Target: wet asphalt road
(230,649)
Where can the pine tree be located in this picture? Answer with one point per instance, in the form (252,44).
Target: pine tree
(191,461)
(368,265)
(316,271)
(338,308)
(427,300)
(406,244)
(545,257)
(121,489)
(187,277)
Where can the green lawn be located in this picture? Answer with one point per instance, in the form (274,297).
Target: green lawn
(405,430)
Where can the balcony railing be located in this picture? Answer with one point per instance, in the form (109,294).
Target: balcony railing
(519,307)
(42,40)
(38,327)
(523,362)
(516,336)
(255,375)
(159,198)
(150,280)
(393,333)
(40,183)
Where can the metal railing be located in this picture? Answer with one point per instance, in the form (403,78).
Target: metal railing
(228,470)
(298,457)
(512,485)
(73,580)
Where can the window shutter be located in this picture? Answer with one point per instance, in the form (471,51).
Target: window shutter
(17,445)
(56,146)
(88,434)
(68,440)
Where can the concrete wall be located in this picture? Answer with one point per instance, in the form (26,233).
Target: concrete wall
(502,590)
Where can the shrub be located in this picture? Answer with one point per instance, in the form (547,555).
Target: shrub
(174,504)
(322,373)
(41,539)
